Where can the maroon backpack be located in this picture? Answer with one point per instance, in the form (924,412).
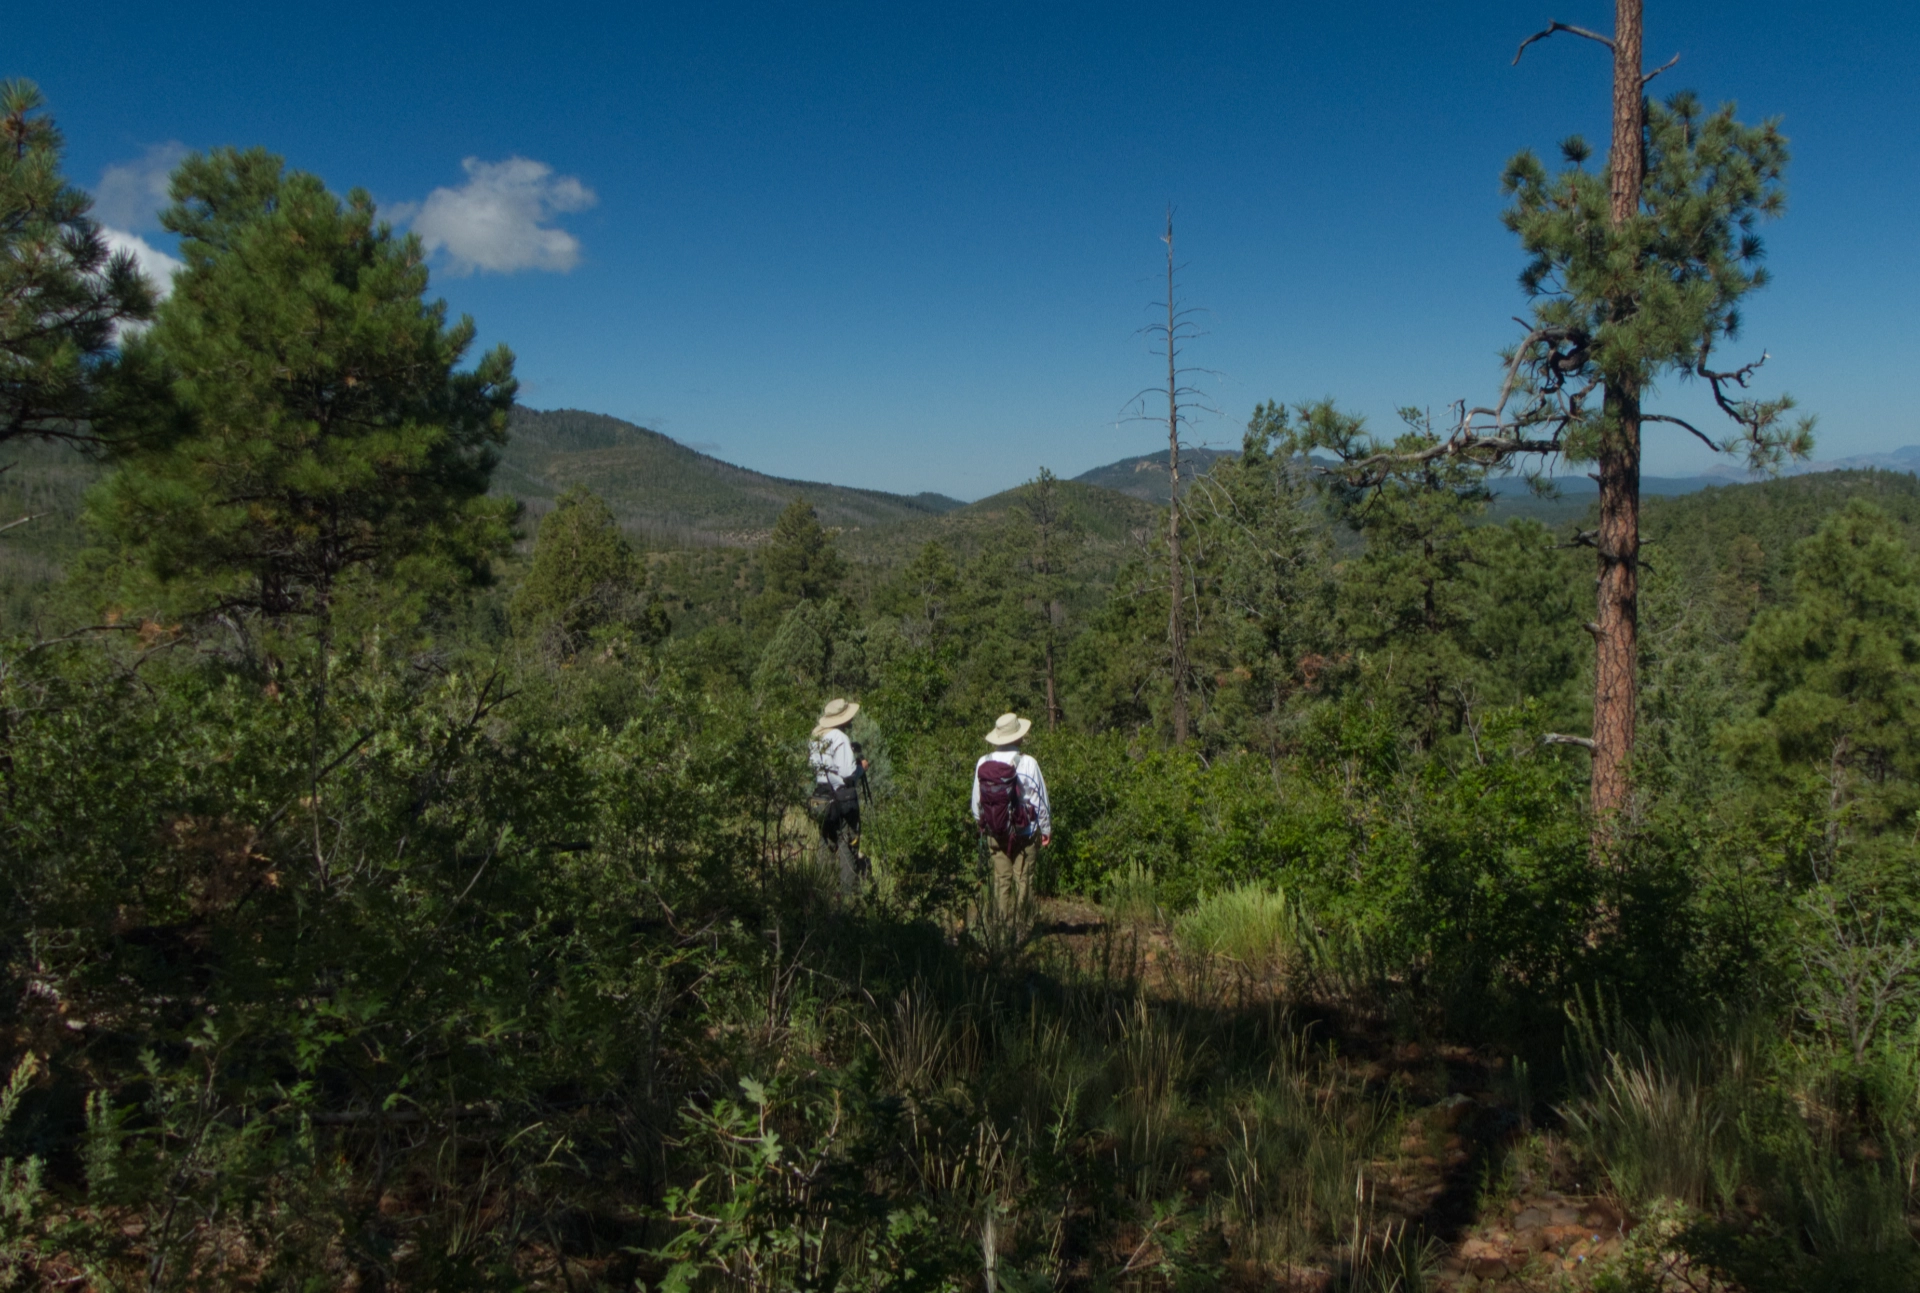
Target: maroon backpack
(1005,814)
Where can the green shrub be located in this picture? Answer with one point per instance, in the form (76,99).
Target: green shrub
(1250,924)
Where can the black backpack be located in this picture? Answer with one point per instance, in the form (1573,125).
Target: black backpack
(1005,814)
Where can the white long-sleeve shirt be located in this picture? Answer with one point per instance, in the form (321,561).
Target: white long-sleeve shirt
(832,757)
(1033,786)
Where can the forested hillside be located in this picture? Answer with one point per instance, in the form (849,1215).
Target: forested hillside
(668,493)
(401,888)
(1749,531)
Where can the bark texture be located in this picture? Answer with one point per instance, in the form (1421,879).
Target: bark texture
(1616,626)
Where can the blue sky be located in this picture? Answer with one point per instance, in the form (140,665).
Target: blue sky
(911,246)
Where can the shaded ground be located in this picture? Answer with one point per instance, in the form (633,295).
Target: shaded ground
(1498,1206)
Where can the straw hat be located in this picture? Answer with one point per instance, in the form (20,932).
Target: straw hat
(1009,730)
(838,713)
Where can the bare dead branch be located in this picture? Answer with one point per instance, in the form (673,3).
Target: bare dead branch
(22,521)
(1656,71)
(1561,738)
(1571,30)
(1720,381)
(78,634)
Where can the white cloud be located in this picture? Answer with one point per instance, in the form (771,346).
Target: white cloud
(156,264)
(130,194)
(500,219)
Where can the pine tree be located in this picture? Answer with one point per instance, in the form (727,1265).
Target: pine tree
(1406,598)
(814,650)
(1052,531)
(922,594)
(1635,273)
(1261,566)
(63,298)
(800,561)
(585,579)
(297,406)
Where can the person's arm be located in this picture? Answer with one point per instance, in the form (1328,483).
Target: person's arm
(975,801)
(1043,811)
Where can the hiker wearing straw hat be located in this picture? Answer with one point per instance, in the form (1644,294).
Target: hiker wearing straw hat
(837,773)
(1010,804)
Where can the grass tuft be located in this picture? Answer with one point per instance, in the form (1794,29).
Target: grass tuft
(1253,925)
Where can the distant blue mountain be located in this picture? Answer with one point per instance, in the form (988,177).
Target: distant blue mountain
(1145,477)
(1905,459)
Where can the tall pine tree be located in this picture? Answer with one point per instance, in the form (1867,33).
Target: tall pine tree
(1260,560)
(298,406)
(800,562)
(1635,273)
(63,297)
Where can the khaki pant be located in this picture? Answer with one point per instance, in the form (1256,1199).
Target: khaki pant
(1012,893)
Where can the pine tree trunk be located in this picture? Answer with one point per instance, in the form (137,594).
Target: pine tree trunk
(1176,626)
(1616,627)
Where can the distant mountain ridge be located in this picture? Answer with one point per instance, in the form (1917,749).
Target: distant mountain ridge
(1144,476)
(668,492)
(1906,458)
(664,490)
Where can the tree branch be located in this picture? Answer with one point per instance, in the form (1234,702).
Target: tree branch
(1486,450)
(318,777)
(1561,26)
(1738,377)
(1656,71)
(1561,738)
(1705,439)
